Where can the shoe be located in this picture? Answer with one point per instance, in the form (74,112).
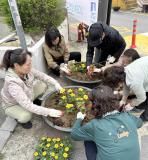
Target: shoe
(27,125)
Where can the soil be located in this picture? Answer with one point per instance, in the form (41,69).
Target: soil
(68,119)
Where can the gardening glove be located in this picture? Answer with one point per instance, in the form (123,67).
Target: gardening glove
(98,70)
(58,86)
(128,107)
(55,113)
(122,103)
(80,115)
(64,68)
(111,59)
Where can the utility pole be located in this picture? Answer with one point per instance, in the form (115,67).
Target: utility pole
(17,22)
(104,11)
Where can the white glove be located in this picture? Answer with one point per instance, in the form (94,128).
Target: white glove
(116,92)
(111,59)
(55,113)
(128,107)
(80,115)
(122,103)
(64,68)
(58,86)
(98,70)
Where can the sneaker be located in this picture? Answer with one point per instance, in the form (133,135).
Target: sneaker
(27,125)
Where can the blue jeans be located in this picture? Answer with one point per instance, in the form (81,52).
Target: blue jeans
(90,150)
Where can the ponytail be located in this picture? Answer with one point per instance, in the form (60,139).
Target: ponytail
(6,63)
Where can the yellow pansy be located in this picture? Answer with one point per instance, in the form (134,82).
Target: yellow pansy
(62,90)
(66,149)
(44,153)
(83,65)
(65,155)
(58,139)
(56,157)
(56,146)
(64,97)
(52,154)
(68,106)
(43,138)
(85,97)
(72,95)
(70,90)
(48,139)
(36,154)
(80,89)
(48,145)
(61,144)
(54,139)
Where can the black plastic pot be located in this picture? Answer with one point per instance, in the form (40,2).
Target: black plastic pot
(51,123)
(116,9)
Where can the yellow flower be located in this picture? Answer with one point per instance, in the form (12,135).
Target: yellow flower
(62,90)
(48,145)
(53,139)
(61,144)
(64,97)
(43,138)
(65,155)
(56,157)
(52,154)
(44,153)
(83,65)
(58,139)
(36,154)
(48,139)
(79,99)
(72,95)
(66,149)
(85,97)
(70,90)
(56,146)
(68,106)
(80,89)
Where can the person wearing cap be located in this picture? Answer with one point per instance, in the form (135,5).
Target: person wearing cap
(56,52)
(107,40)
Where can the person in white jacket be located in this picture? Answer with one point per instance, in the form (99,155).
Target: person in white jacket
(135,79)
(22,86)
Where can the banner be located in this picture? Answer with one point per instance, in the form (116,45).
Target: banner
(83,10)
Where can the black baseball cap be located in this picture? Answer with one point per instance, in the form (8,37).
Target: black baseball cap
(95,33)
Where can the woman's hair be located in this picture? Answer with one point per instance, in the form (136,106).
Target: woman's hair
(131,53)
(104,100)
(51,34)
(11,57)
(114,75)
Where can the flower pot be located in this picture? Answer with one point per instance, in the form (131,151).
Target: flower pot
(52,101)
(116,8)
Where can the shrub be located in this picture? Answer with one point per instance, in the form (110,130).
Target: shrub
(36,14)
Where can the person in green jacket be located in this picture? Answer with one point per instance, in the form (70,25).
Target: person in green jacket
(113,133)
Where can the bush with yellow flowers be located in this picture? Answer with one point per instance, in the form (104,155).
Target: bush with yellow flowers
(53,149)
(74,99)
(78,67)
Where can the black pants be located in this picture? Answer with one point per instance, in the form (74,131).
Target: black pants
(73,56)
(90,150)
(144,105)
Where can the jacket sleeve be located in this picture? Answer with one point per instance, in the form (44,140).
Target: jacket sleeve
(82,133)
(89,55)
(121,44)
(19,95)
(45,78)
(126,92)
(140,93)
(137,121)
(51,63)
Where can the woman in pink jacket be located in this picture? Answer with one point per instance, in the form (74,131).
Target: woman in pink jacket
(22,86)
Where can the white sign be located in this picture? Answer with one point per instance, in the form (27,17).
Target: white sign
(83,10)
